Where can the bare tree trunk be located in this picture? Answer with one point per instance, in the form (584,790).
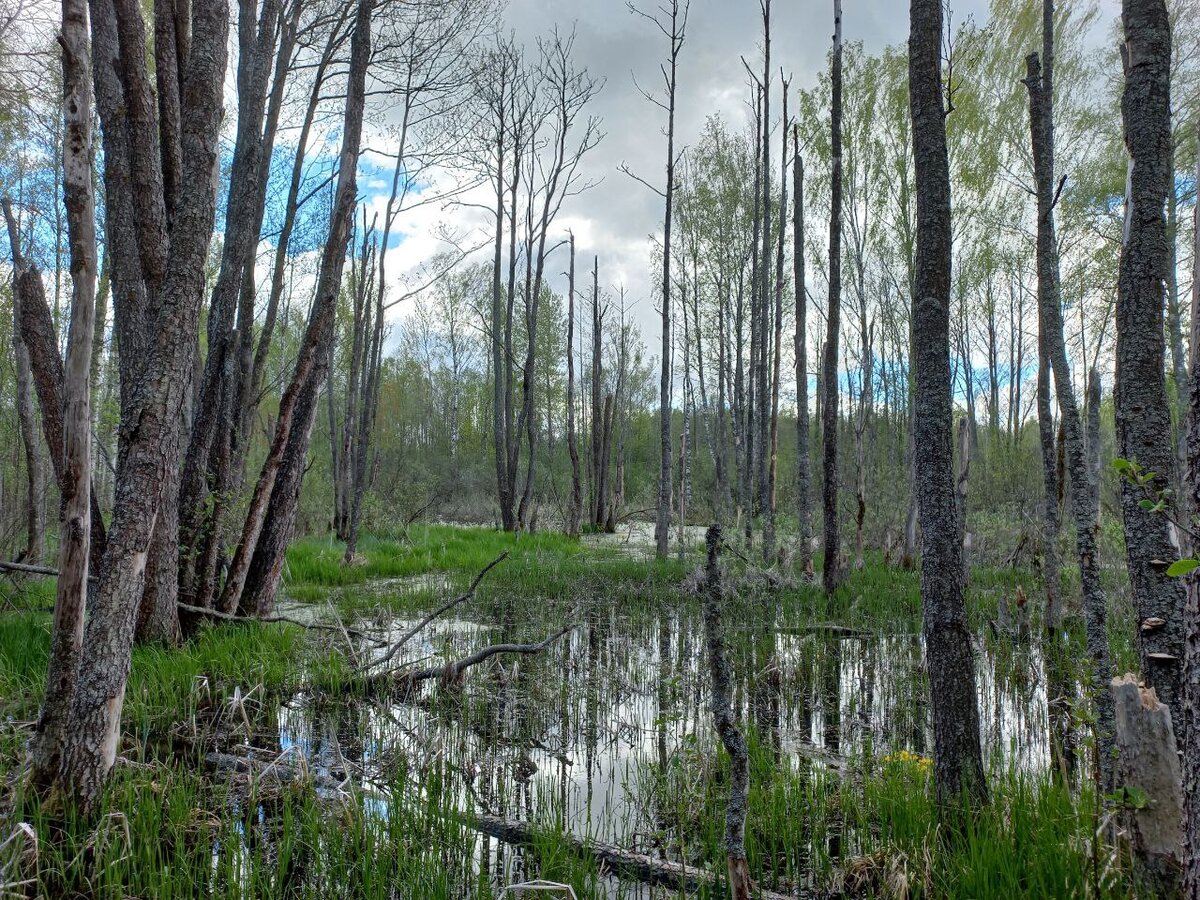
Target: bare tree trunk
(24,279)
(1142,414)
(298,405)
(576,505)
(1050,322)
(662,519)
(753,398)
(958,760)
(174,277)
(1051,490)
(803,464)
(598,467)
(960,491)
(372,381)
(832,575)
(1191,656)
(1093,439)
(769,533)
(40,340)
(255,53)
(762,390)
(721,675)
(75,519)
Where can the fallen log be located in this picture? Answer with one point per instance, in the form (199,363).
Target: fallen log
(638,866)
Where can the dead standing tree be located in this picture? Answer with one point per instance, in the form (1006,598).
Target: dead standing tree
(832,574)
(553,176)
(803,459)
(574,510)
(671,20)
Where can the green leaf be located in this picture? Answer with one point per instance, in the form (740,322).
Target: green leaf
(1183,567)
(1122,465)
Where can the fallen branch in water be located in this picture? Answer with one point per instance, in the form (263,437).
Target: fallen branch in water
(639,866)
(229,617)
(451,672)
(441,610)
(448,673)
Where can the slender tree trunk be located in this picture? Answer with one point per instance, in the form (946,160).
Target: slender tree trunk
(958,760)
(1142,414)
(753,399)
(662,518)
(576,505)
(1051,490)
(833,558)
(762,390)
(803,464)
(35,509)
(721,676)
(298,405)
(777,357)
(75,520)
(1093,439)
(1050,322)
(597,467)
(498,327)
(40,340)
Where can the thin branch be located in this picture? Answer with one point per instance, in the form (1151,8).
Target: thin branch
(445,607)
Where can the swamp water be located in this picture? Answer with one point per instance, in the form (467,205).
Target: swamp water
(606,735)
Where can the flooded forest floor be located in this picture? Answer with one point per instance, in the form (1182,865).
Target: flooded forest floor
(274,760)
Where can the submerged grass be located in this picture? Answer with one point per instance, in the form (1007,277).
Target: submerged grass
(865,824)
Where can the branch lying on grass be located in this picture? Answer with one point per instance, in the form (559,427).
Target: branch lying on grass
(27,569)
(319,626)
(445,607)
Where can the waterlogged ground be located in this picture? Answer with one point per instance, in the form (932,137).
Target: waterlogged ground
(606,735)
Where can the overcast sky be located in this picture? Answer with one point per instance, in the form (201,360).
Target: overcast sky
(616,218)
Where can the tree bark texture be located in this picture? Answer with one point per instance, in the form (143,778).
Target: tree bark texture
(958,760)
(159,371)
(66,638)
(722,680)
(829,424)
(1143,417)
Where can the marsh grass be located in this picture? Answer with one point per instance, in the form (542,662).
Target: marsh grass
(868,826)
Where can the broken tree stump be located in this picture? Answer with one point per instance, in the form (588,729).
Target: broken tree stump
(1148,772)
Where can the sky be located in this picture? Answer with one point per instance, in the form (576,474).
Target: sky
(616,219)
